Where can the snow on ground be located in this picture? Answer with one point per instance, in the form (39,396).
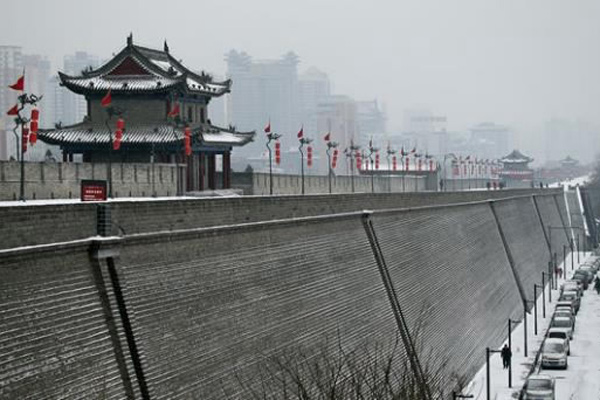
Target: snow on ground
(580,180)
(580,381)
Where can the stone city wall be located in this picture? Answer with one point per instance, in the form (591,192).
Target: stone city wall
(52,180)
(191,312)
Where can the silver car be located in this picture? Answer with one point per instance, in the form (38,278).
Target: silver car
(539,387)
(554,354)
(565,323)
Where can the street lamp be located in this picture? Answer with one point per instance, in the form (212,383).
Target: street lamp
(544,280)
(510,321)
(271,137)
(390,152)
(331,145)
(303,141)
(350,152)
(21,121)
(372,150)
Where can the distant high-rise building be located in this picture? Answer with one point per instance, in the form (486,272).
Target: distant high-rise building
(426,131)
(11,67)
(37,70)
(371,120)
(74,106)
(313,88)
(489,140)
(339,115)
(263,90)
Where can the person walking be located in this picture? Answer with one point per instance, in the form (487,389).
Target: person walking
(506,356)
(597,285)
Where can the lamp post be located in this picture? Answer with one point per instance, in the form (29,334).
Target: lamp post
(390,153)
(302,141)
(330,145)
(544,274)
(350,151)
(271,137)
(525,328)
(578,252)
(21,121)
(488,351)
(510,321)
(372,150)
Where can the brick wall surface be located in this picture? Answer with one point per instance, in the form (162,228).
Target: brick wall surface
(181,214)
(452,277)
(54,342)
(206,313)
(525,238)
(32,225)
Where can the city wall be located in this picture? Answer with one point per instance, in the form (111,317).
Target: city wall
(52,180)
(190,308)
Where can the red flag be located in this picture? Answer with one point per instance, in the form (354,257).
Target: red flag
(14,110)
(268,127)
(414,150)
(301,133)
(174,111)
(19,85)
(106,100)
(327,137)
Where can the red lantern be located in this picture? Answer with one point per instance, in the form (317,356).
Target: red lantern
(277,152)
(24,139)
(407,164)
(35,114)
(309,156)
(420,164)
(32,137)
(117,141)
(377,160)
(430,165)
(120,123)
(394,163)
(358,160)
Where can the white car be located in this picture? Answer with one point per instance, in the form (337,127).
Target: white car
(561,333)
(539,387)
(564,323)
(554,354)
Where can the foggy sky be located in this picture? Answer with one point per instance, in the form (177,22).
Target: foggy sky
(515,62)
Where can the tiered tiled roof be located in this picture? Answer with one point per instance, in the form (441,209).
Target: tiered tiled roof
(516,157)
(87,133)
(140,69)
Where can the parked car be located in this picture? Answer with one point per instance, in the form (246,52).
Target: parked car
(566,304)
(565,323)
(539,387)
(582,278)
(572,297)
(587,274)
(572,285)
(561,333)
(554,354)
(565,313)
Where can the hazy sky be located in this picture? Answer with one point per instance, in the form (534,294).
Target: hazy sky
(516,62)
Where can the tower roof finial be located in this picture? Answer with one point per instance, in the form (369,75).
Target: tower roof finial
(166,46)
(130,39)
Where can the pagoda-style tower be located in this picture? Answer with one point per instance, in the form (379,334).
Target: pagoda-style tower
(516,171)
(148,86)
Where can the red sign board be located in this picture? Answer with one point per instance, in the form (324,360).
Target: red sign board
(93,190)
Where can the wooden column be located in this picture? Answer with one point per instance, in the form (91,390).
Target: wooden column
(212,171)
(201,170)
(227,170)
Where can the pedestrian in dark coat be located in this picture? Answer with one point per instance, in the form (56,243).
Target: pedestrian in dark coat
(506,356)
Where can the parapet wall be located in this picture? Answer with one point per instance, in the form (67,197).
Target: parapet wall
(189,311)
(52,180)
